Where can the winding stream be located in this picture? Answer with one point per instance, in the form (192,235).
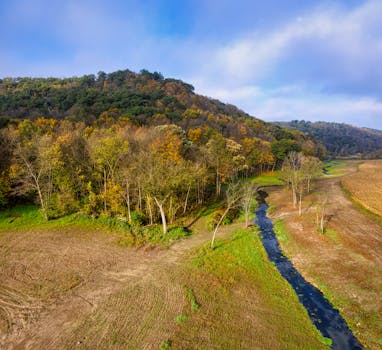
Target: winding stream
(323,315)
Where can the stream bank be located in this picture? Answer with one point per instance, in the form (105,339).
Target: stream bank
(324,316)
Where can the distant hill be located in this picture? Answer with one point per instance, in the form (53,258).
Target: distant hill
(143,99)
(340,139)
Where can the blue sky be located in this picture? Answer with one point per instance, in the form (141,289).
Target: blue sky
(277,60)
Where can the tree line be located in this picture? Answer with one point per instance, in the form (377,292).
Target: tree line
(144,174)
(141,175)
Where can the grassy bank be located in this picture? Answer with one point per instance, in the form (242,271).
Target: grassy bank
(29,217)
(242,301)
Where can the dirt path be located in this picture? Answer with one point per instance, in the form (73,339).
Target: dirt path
(116,297)
(346,262)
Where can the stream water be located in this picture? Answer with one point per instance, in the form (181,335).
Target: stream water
(324,316)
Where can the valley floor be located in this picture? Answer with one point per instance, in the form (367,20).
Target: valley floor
(68,288)
(73,288)
(345,262)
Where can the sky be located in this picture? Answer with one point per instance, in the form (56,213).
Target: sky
(276,60)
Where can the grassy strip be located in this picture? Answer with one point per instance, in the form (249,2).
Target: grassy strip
(28,217)
(243,301)
(335,168)
(280,231)
(268,179)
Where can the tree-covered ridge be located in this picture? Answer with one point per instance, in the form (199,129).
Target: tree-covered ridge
(340,139)
(144,99)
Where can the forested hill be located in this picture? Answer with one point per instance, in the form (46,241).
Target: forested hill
(141,99)
(340,139)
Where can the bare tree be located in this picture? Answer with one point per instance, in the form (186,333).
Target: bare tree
(233,195)
(298,171)
(321,206)
(248,190)
(290,173)
(311,168)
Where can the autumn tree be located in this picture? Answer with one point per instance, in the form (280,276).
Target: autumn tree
(5,164)
(107,152)
(36,160)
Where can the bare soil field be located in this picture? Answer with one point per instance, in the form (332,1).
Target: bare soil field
(346,261)
(365,186)
(69,288)
(66,287)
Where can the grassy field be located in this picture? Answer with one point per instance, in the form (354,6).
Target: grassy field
(239,301)
(365,186)
(345,262)
(67,284)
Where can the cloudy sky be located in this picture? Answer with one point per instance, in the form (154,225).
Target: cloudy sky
(277,60)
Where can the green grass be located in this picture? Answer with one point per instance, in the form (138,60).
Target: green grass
(28,217)
(268,179)
(331,234)
(165,345)
(181,318)
(335,168)
(192,299)
(243,298)
(280,231)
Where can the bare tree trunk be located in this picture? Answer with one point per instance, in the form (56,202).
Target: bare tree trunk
(148,199)
(199,192)
(42,201)
(128,201)
(217,183)
(308,185)
(170,210)
(139,196)
(104,190)
(186,201)
(217,227)
(162,214)
(322,222)
(294,195)
(300,203)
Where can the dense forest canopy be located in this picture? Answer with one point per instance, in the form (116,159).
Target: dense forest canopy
(341,139)
(127,145)
(144,99)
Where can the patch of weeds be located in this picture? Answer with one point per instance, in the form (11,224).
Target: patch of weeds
(327,341)
(181,318)
(191,297)
(117,339)
(280,231)
(165,344)
(330,233)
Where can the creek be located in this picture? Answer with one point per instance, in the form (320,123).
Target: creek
(324,316)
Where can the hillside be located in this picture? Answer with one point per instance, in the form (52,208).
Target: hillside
(144,99)
(340,139)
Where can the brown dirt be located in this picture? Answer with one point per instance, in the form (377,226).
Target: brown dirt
(346,262)
(70,288)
